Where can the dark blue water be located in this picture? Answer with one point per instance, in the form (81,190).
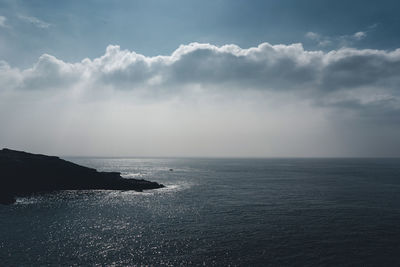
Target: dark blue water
(258,212)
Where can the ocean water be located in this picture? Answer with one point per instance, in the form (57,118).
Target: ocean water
(215,212)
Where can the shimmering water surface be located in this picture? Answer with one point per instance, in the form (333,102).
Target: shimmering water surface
(335,212)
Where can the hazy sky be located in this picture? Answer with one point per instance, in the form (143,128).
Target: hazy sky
(201,78)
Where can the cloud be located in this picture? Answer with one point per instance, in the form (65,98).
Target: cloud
(339,41)
(3,22)
(34,21)
(269,100)
(359,35)
(321,40)
(313,36)
(335,78)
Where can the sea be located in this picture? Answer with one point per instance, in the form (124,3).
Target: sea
(215,212)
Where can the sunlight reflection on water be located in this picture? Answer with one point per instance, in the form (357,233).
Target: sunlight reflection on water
(216,212)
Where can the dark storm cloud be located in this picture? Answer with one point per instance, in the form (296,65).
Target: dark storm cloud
(264,67)
(351,68)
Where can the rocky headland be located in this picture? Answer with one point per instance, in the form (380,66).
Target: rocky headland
(23,173)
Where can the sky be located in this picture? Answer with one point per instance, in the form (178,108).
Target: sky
(286,78)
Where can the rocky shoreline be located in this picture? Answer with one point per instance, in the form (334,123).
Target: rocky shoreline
(23,173)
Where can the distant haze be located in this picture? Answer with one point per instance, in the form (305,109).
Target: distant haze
(332,99)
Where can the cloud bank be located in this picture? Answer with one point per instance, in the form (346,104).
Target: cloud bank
(345,77)
(269,100)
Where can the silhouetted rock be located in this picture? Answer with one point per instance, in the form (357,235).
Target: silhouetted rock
(6,197)
(23,173)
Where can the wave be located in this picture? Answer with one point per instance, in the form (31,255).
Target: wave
(134,175)
(175,187)
(27,200)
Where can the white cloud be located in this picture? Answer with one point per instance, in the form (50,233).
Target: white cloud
(325,42)
(313,35)
(34,21)
(338,41)
(316,75)
(359,35)
(322,41)
(3,22)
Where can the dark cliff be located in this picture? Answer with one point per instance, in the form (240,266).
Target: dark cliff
(23,173)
